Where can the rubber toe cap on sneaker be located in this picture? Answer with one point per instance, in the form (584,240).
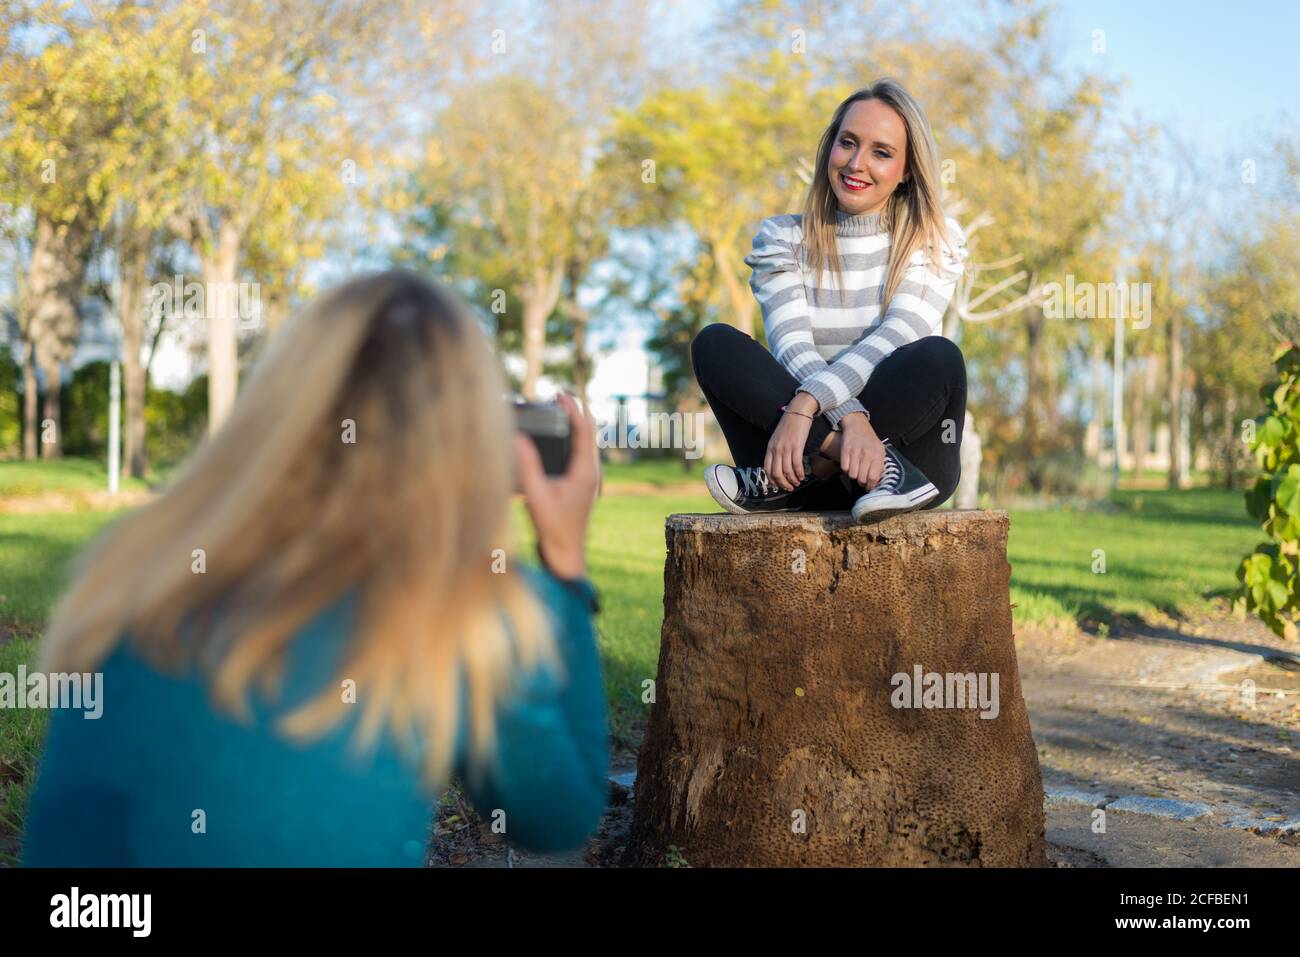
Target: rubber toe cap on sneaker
(725,478)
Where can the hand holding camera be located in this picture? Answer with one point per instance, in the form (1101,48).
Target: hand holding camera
(560,504)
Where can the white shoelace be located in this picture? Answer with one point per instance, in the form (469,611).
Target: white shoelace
(893,476)
(755,484)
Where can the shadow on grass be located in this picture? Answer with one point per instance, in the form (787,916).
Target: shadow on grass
(1170,551)
(1202,506)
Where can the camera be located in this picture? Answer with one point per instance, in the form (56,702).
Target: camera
(547,424)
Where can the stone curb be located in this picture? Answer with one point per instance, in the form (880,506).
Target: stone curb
(1238,817)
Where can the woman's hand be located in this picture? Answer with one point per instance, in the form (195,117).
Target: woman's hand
(784,458)
(862,454)
(560,506)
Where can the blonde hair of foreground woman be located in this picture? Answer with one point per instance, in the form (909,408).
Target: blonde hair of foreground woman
(289,516)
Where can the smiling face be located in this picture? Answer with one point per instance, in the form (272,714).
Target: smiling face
(869,157)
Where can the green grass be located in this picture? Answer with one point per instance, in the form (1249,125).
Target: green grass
(656,471)
(35,551)
(61,475)
(625,556)
(1165,552)
(21,731)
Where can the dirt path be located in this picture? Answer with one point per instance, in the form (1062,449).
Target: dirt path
(1152,724)
(1161,720)
(65,501)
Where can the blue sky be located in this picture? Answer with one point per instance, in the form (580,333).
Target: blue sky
(1222,72)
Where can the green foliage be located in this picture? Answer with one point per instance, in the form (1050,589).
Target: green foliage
(670,343)
(84,411)
(1270,576)
(175,422)
(11,410)
(1068,473)
(675,857)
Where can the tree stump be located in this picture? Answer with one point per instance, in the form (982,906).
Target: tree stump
(797,717)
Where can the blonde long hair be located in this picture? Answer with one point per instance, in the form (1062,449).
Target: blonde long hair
(912,215)
(287,512)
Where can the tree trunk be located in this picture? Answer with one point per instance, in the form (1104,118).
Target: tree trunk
(220,301)
(970,454)
(785,730)
(1033,387)
(1141,432)
(134,264)
(31,400)
(740,297)
(1093,439)
(1177,446)
(1231,439)
(534,343)
(1051,392)
(541,294)
(581,360)
(51,419)
(581,319)
(57,272)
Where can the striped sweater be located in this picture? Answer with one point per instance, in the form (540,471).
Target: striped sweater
(832,349)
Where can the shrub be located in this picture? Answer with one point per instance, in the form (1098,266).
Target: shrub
(11,405)
(1269,577)
(175,422)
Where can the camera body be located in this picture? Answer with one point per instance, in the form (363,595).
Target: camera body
(547,424)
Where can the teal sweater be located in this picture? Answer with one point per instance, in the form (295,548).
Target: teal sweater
(125,789)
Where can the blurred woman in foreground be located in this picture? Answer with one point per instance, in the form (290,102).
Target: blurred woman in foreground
(316,625)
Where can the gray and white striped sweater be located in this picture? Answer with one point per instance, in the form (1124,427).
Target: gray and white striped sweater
(832,349)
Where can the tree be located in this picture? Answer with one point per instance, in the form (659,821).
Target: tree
(1244,297)
(283,103)
(1038,166)
(141,189)
(510,177)
(56,120)
(718,158)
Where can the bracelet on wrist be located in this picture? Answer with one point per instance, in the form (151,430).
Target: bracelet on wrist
(786,408)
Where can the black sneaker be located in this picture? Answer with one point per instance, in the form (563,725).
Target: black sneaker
(903,488)
(744,490)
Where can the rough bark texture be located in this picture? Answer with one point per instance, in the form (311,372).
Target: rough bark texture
(773,697)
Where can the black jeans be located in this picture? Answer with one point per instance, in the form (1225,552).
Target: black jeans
(916,397)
